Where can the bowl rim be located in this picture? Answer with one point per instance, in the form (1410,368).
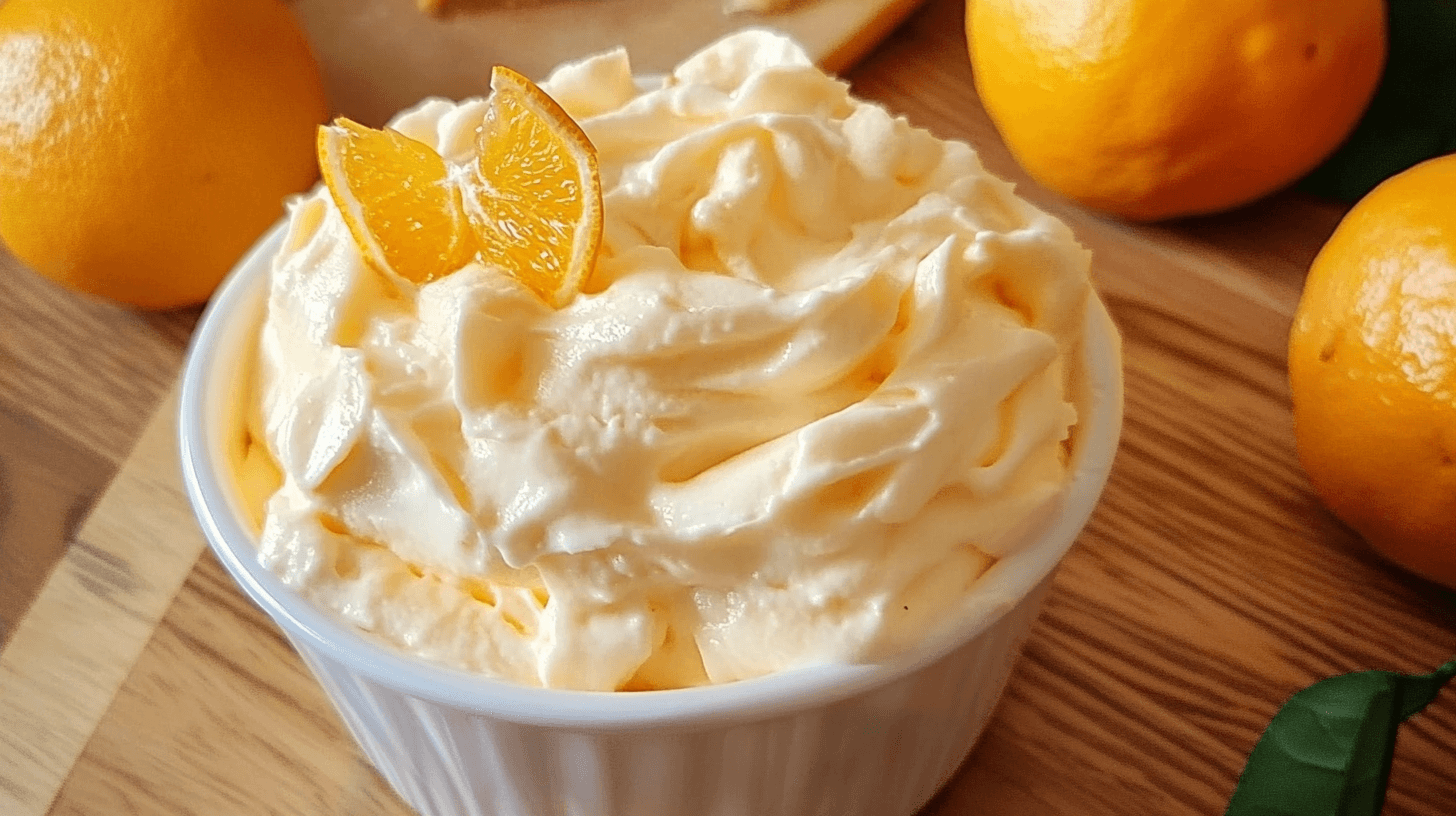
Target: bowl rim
(218,511)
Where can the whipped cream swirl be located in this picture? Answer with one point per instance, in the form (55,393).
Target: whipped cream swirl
(816,383)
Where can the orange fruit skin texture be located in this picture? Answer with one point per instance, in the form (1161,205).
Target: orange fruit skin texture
(145,144)
(1372,369)
(1154,109)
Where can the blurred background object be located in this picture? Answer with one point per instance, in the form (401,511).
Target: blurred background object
(380,56)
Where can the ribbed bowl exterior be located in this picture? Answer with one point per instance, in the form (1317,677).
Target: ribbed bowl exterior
(885,751)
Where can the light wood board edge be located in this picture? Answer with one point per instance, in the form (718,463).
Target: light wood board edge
(76,646)
(841,54)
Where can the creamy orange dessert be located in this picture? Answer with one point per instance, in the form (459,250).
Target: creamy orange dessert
(812,381)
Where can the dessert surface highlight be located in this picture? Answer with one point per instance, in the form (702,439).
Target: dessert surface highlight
(816,384)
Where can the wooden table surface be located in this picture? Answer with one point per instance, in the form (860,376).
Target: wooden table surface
(1209,586)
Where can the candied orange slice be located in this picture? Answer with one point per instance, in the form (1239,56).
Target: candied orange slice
(397,200)
(537,209)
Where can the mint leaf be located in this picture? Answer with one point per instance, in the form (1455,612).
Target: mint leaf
(1327,752)
(1413,115)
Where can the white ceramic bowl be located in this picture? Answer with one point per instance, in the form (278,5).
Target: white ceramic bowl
(836,739)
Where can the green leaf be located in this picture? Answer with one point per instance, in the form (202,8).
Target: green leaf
(1413,115)
(1327,752)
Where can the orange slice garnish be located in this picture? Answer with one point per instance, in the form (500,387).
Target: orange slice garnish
(538,209)
(531,204)
(397,200)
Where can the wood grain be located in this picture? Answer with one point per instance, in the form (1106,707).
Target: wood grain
(96,612)
(166,748)
(78,379)
(1208,587)
(71,406)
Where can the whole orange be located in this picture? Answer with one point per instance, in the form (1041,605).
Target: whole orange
(1153,109)
(1372,369)
(145,144)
